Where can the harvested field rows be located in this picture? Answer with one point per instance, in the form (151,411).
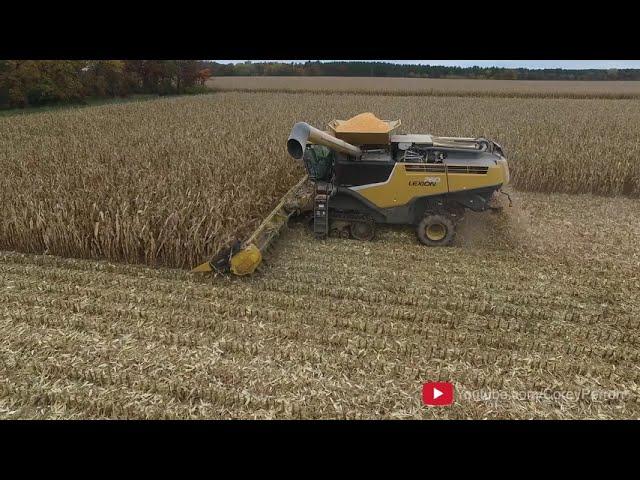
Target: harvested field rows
(431,86)
(542,297)
(170,182)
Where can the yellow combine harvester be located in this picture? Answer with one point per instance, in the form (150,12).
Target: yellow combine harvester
(363,175)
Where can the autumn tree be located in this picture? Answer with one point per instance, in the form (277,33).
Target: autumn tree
(38,82)
(105,78)
(31,82)
(186,74)
(203,75)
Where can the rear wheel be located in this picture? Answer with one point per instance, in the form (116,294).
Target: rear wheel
(436,230)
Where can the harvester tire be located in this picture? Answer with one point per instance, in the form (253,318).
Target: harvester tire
(436,230)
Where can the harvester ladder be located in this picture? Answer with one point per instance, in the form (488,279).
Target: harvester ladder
(321,211)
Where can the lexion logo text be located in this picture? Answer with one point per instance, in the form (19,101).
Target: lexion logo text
(427,182)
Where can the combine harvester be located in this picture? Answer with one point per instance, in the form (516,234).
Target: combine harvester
(360,175)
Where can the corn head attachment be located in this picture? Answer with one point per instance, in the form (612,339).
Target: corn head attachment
(243,258)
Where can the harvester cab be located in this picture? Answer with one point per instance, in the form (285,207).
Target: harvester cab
(363,175)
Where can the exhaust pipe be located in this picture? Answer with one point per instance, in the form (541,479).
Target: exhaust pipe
(303,132)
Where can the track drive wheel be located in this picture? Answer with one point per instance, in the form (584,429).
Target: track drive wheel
(363,230)
(436,230)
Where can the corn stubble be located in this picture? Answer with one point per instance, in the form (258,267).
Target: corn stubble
(546,298)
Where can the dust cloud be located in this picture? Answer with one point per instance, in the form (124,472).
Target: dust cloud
(508,229)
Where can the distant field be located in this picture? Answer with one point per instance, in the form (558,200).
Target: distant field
(432,86)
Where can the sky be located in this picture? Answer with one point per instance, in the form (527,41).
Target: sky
(534,64)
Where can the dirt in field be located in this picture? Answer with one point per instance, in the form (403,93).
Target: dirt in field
(533,314)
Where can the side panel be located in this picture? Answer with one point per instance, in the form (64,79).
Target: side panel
(459,180)
(406,182)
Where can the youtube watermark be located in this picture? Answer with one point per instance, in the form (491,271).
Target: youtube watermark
(547,396)
(437,394)
(442,394)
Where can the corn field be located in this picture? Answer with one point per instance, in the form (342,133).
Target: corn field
(169,182)
(430,86)
(542,298)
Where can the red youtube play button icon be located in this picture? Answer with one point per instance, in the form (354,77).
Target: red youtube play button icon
(437,393)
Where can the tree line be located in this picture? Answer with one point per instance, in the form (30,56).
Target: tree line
(386,69)
(26,83)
